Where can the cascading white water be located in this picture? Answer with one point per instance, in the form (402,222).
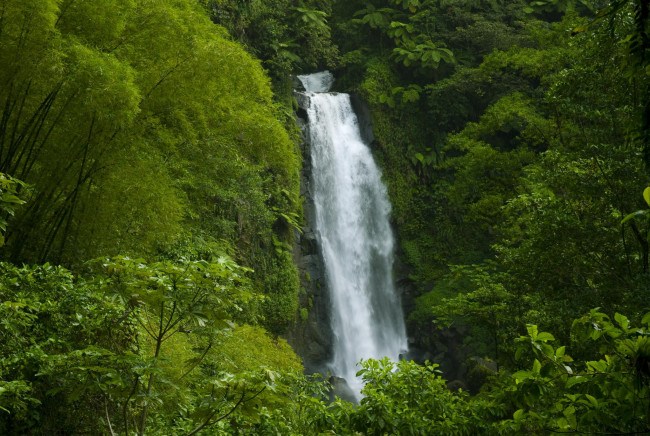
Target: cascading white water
(352,221)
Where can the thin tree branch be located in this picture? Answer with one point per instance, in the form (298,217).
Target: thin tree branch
(108,418)
(200,359)
(126,405)
(214,412)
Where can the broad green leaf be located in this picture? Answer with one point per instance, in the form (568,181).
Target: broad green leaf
(638,213)
(570,414)
(646,319)
(575,380)
(562,423)
(521,375)
(592,400)
(622,320)
(571,410)
(545,336)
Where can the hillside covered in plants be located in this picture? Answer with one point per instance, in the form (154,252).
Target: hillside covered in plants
(150,205)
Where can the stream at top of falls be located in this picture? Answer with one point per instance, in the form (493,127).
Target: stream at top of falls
(352,214)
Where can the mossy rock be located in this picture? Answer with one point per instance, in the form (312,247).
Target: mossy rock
(480,371)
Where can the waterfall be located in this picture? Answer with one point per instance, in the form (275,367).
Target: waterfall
(352,222)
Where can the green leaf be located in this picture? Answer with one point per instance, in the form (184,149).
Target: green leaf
(571,410)
(10,198)
(592,400)
(622,320)
(572,381)
(570,414)
(638,213)
(646,195)
(518,415)
(520,351)
(521,375)
(547,350)
(597,366)
(545,336)
(646,319)
(579,29)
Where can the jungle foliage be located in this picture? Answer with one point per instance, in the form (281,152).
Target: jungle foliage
(147,133)
(513,138)
(129,131)
(287,36)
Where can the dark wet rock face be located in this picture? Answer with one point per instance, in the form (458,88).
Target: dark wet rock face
(311,336)
(341,389)
(364,117)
